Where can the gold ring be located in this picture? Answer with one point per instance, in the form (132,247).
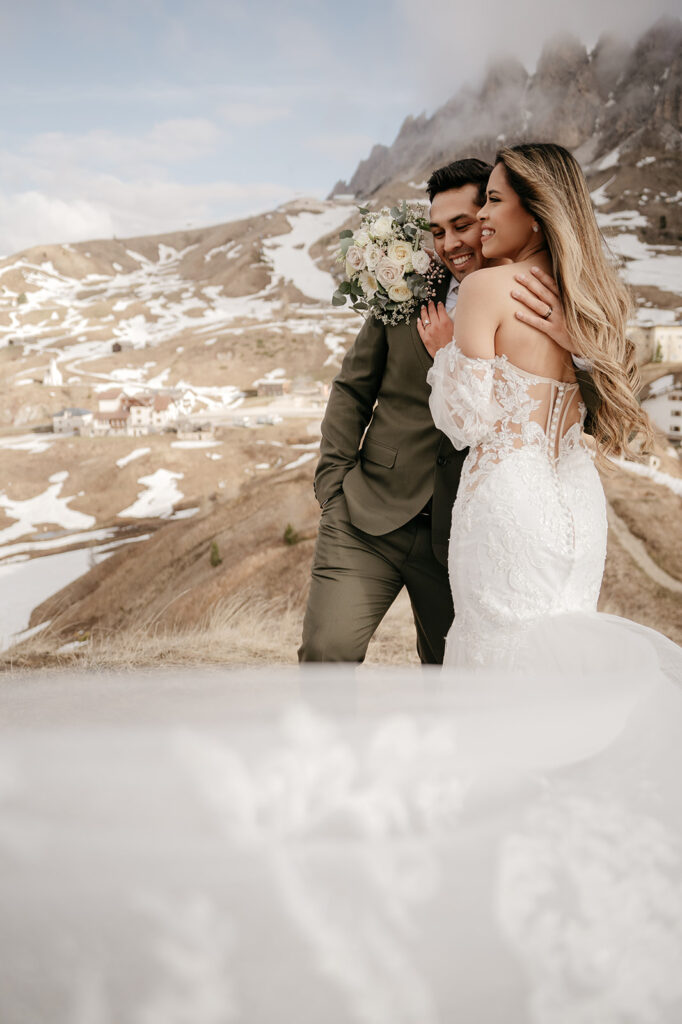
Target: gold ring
(548,313)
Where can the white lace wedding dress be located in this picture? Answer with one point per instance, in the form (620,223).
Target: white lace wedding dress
(528,540)
(380,846)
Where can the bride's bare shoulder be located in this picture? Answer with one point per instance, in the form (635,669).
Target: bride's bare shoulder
(489,281)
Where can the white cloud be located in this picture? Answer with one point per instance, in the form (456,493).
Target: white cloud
(253,112)
(342,146)
(460,40)
(167,142)
(109,206)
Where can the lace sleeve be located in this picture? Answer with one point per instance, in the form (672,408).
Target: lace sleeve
(462,398)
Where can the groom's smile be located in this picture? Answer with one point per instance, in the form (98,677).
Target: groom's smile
(456,230)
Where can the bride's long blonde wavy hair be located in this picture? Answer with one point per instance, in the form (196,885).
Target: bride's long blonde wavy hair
(551,186)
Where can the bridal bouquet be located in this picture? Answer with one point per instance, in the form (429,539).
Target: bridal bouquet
(388,272)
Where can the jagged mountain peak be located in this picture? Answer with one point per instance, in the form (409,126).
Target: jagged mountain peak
(618,96)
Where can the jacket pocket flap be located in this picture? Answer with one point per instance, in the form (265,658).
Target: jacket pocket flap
(380,453)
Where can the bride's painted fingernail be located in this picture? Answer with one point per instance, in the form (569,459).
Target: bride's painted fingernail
(536,270)
(514,294)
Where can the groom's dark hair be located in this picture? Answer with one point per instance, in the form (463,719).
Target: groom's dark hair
(460,173)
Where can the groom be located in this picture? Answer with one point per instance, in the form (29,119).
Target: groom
(387,478)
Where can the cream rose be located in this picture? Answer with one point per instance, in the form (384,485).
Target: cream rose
(381,228)
(399,292)
(420,261)
(388,272)
(401,252)
(355,259)
(369,284)
(361,239)
(373,254)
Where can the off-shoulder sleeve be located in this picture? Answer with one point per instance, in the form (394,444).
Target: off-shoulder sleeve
(462,398)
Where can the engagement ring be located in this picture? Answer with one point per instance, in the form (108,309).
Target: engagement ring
(548,313)
(427,323)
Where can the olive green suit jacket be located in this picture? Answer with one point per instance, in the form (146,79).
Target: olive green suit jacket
(379,443)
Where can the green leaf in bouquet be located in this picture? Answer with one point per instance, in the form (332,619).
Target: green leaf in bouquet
(346,234)
(345,288)
(361,304)
(410,232)
(363,210)
(338,299)
(346,244)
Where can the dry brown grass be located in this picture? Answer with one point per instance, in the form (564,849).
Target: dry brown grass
(247,630)
(652,513)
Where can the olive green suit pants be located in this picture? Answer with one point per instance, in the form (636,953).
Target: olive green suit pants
(357,576)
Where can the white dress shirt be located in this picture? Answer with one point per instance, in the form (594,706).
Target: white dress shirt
(451,297)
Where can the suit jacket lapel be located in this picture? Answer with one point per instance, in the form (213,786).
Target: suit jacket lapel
(423,356)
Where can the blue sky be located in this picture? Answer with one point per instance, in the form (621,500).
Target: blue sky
(139,117)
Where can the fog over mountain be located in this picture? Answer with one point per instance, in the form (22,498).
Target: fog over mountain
(617,106)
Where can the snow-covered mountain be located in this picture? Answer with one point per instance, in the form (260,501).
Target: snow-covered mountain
(209,314)
(618,108)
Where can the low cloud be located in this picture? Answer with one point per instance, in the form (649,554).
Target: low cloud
(107,206)
(341,146)
(457,42)
(166,143)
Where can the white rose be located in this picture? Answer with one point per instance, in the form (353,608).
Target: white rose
(401,252)
(355,259)
(388,272)
(373,254)
(420,261)
(361,239)
(399,292)
(382,227)
(369,284)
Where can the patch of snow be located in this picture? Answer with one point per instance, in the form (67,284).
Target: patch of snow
(306,457)
(337,345)
(44,508)
(194,444)
(290,254)
(610,160)
(646,160)
(137,453)
(673,483)
(646,264)
(622,218)
(33,443)
(32,582)
(185,513)
(160,495)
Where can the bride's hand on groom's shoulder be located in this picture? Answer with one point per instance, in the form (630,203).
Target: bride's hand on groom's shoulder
(538,295)
(435,327)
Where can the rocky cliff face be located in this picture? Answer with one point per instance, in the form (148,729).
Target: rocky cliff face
(616,97)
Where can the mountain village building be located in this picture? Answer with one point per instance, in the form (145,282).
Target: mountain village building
(662,400)
(72,421)
(661,343)
(133,415)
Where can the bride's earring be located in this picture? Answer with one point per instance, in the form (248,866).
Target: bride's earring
(536,227)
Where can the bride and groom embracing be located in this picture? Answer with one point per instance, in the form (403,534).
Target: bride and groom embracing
(493,417)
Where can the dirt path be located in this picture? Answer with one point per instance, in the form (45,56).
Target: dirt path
(637,551)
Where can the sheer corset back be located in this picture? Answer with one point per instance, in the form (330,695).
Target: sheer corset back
(496,408)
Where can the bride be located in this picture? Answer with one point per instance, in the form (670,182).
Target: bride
(528,539)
